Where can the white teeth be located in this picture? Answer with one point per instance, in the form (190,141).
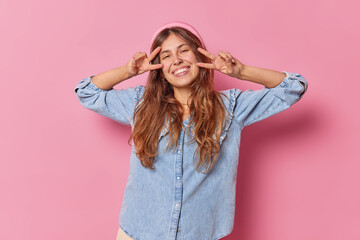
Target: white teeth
(181,70)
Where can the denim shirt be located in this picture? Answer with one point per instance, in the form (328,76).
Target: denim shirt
(174,201)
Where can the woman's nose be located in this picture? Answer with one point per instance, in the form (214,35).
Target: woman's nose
(177,60)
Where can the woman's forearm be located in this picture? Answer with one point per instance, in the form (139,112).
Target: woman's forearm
(268,78)
(107,80)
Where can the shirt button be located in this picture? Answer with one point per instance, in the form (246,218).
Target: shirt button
(179,152)
(178,177)
(177,204)
(172,230)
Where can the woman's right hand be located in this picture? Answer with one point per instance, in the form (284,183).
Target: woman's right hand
(140,63)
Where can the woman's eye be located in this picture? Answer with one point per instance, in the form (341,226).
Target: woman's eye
(185,50)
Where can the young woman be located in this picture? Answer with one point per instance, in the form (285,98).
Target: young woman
(185,135)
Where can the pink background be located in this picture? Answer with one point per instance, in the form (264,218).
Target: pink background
(64,168)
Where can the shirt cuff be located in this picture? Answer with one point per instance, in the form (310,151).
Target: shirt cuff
(88,81)
(295,76)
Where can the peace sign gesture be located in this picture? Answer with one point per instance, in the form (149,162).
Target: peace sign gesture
(140,63)
(224,63)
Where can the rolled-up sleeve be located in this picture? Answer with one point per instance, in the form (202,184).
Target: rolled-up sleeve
(254,105)
(115,104)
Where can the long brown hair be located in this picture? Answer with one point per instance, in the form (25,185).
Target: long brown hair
(206,108)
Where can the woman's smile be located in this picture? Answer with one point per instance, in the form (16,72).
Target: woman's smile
(181,71)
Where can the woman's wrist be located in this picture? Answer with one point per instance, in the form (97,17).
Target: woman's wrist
(267,77)
(243,70)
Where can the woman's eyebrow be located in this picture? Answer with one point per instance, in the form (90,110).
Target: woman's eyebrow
(169,50)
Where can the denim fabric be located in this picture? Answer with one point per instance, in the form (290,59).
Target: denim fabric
(174,201)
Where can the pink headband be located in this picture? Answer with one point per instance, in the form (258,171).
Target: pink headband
(177,24)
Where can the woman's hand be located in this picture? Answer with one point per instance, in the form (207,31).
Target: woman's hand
(140,63)
(224,63)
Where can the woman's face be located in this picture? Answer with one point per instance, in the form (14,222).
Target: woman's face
(177,55)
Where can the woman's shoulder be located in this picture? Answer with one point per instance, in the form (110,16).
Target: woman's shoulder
(230,92)
(229,95)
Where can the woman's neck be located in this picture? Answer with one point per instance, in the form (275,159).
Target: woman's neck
(182,95)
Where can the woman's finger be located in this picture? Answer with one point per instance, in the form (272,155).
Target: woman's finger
(228,61)
(223,55)
(154,53)
(133,61)
(228,56)
(139,55)
(206,53)
(206,65)
(231,57)
(136,57)
(155,66)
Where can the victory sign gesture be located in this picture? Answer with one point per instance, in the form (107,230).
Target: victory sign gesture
(140,63)
(224,63)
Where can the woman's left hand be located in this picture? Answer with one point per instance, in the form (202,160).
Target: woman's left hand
(224,63)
